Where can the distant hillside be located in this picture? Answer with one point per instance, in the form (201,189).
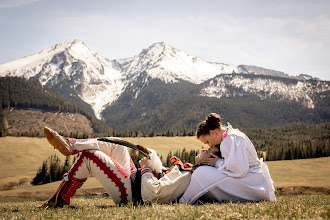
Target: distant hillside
(30,122)
(262,71)
(21,94)
(179,107)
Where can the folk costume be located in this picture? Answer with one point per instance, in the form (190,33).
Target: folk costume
(113,167)
(239,176)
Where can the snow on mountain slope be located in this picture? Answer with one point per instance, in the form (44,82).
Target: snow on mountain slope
(100,82)
(97,80)
(237,85)
(169,64)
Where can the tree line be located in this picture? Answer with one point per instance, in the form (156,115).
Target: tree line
(299,150)
(184,155)
(292,141)
(52,169)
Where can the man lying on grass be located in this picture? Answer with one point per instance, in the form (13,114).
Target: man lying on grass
(111,164)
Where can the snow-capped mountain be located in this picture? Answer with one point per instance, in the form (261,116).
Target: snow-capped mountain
(239,85)
(96,80)
(169,64)
(99,82)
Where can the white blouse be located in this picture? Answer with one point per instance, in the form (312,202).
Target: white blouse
(239,155)
(239,176)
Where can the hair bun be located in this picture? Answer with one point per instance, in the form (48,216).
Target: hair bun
(213,118)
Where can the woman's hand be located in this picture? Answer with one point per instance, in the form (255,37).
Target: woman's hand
(211,161)
(145,163)
(206,157)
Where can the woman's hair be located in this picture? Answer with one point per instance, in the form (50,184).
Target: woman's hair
(212,122)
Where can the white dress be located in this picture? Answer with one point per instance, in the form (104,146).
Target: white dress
(239,176)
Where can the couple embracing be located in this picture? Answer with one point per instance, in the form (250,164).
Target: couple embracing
(229,170)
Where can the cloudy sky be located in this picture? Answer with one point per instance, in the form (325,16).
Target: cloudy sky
(288,36)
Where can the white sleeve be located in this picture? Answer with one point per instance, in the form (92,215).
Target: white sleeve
(165,189)
(236,162)
(219,163)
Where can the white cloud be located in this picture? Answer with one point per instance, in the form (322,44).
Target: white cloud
(15,3)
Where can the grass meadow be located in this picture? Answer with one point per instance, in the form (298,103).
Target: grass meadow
(21,157)
(286,207)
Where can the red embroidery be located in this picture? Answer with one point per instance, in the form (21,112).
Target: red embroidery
(111,175)
(71,188)
(132,166)
(62,191)
(68,188)
(76,166)
(123,171)
(224,134)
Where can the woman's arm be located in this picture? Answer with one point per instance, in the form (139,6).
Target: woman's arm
(236,163)
(166,189)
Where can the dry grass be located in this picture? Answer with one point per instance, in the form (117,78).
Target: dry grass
(163,145)
(21,157)
(286,207)
(305,172)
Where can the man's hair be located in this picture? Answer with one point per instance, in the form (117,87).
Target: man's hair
(218,153)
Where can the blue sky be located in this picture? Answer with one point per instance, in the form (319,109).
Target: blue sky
(288,36)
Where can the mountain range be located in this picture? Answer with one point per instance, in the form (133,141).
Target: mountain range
(163,88)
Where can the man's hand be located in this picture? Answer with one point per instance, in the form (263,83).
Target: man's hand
(199,158)
(145,163)
(212,160)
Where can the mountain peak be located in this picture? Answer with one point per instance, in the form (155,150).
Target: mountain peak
(169,64)
(77,41)
(158,44)
(160,48)
(72,45)
(155,49)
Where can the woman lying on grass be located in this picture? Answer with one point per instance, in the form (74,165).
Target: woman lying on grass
(239,176)
(113,167)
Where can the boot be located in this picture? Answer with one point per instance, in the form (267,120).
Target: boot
(62,196)
(59,142)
